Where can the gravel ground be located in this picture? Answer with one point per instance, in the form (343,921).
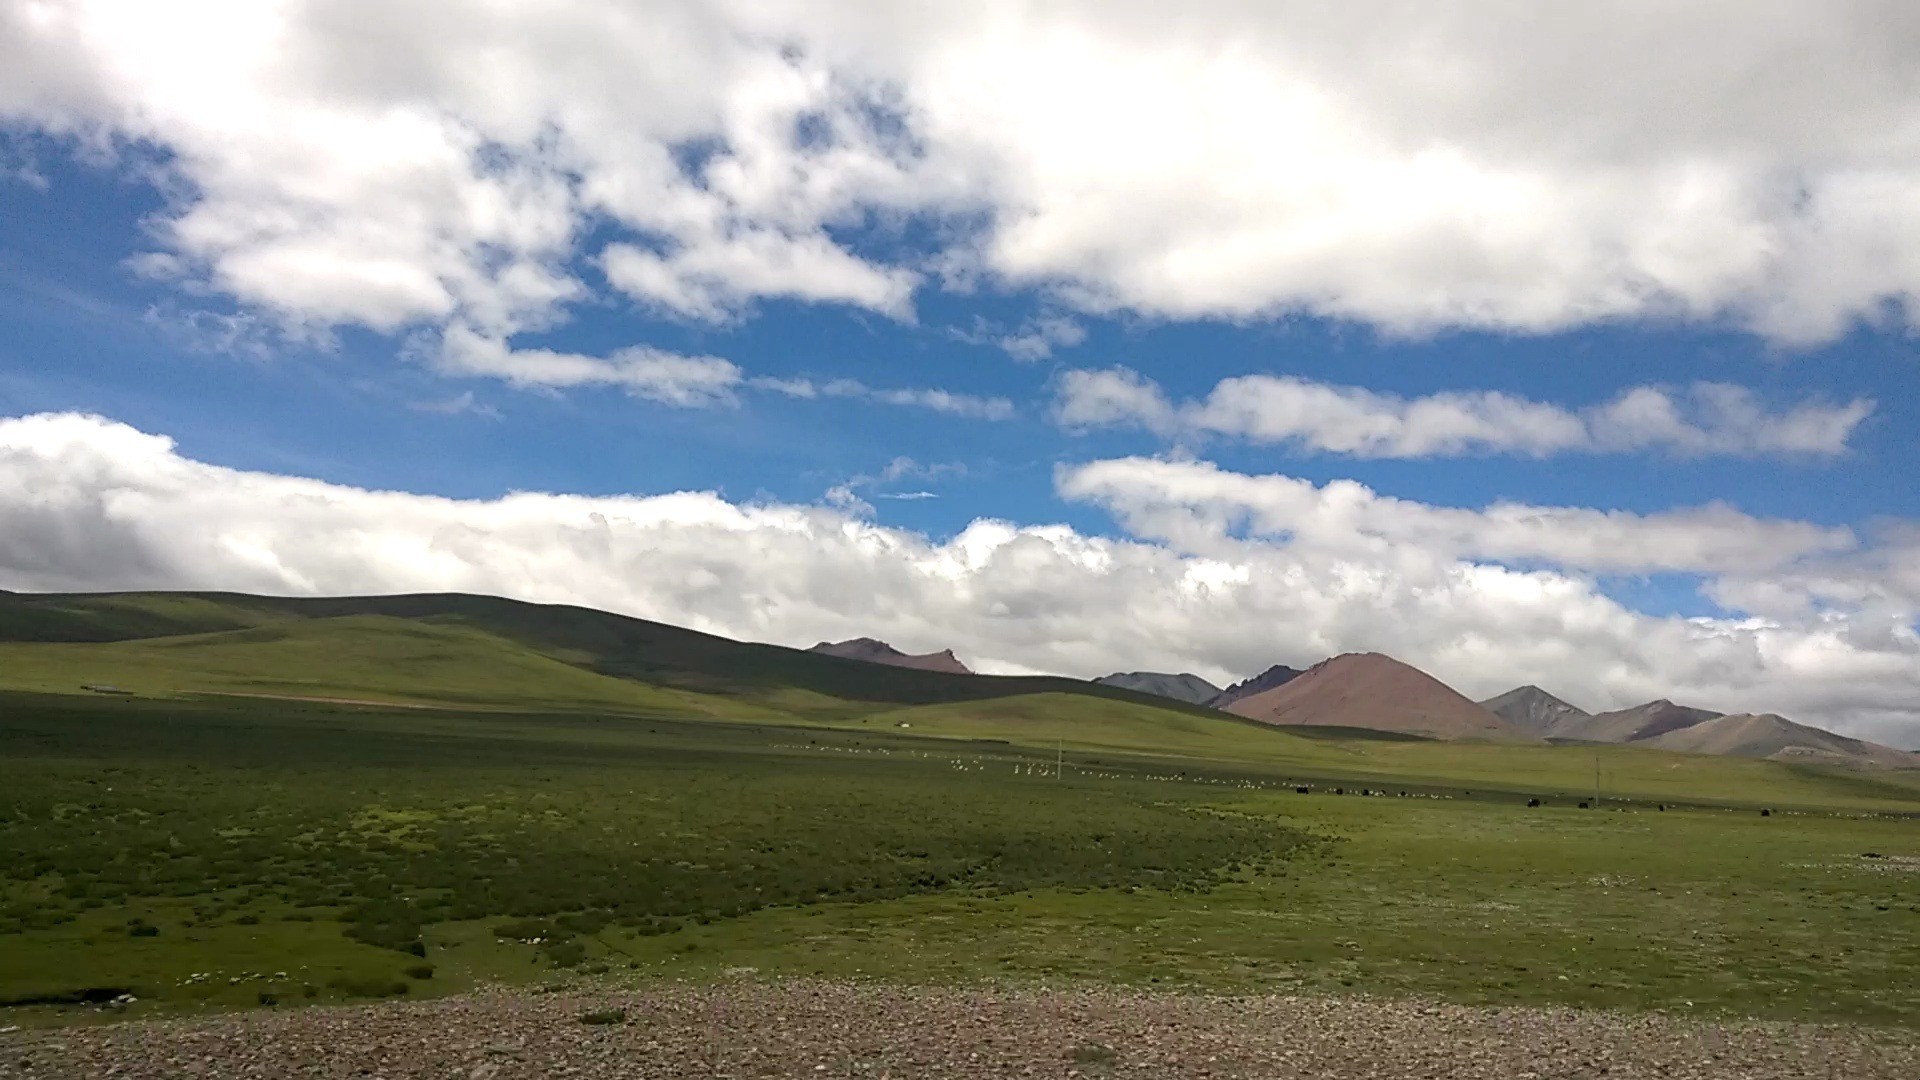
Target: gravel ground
(819,1030)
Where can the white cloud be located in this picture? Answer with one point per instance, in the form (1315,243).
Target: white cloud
(844,495)
(671,379)
(1706,418)
(982,408)
(1039,337)
(1412,166)
(86,503)
(1198,507)
(686,381)
(946,401)
(713,280)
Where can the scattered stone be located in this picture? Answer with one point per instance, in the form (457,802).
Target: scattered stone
(802,1028)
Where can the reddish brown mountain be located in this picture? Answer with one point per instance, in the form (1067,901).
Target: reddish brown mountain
(1368,690)
(879,652)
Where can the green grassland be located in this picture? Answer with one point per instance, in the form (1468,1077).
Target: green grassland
(1043,720)
(587,796)
(239,852)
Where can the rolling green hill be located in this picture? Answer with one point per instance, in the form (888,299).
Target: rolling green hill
(792,680)
(374,658)
(485,652)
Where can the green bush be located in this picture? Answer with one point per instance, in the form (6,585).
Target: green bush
(367,986)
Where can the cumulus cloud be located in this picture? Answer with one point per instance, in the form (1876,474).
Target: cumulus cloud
(1413,166)
(1705,418)
(90,504)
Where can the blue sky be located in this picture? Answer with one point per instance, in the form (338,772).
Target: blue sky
(775,266)
(87,334)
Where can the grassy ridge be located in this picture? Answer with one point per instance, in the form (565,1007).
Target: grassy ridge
(367,657)
(94,617)
(615,645)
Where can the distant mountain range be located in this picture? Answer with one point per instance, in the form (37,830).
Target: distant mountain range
(1664,725)
(875,651)
(1776,737)
(471,649)
(1195,690)
(1371,691)
(1191,689)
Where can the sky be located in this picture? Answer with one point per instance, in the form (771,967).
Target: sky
(1525,343)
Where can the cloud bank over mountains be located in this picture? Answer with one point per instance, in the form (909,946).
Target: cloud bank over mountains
(1218,573)
(1409,166)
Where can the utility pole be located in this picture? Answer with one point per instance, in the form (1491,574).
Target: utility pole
(1596,779)
(1059,758)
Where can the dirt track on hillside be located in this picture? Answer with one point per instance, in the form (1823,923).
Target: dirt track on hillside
(817,1031)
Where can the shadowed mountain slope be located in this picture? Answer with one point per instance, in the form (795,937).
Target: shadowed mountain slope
(874,651)
(1271,679)
(1191,689)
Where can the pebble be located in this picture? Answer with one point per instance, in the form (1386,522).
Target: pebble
(810,1029)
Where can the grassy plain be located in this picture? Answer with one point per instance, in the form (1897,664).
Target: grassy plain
(551,793)
(214,853)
